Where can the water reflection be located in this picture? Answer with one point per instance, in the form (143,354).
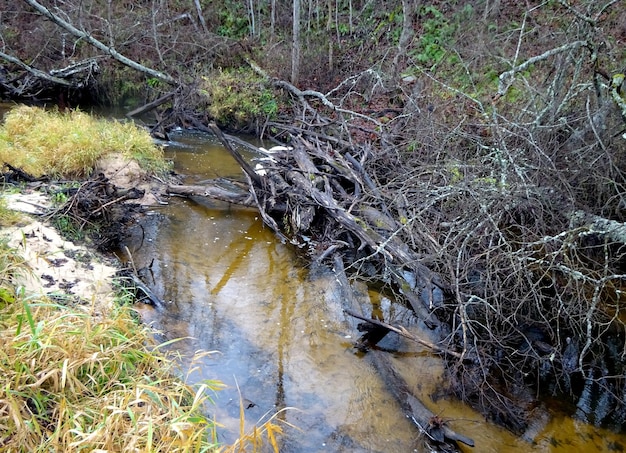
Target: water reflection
(283,340)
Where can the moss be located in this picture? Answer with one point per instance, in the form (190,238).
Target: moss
(238,98)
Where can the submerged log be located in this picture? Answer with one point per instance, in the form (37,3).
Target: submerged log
(151,105)
(439,435)
(404,333)
(428,422)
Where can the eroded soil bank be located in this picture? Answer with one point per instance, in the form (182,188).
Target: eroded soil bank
(73,271)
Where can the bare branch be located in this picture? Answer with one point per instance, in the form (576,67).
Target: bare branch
(200,16)
(301,94)
(99,45)
(36,72)
(506,78)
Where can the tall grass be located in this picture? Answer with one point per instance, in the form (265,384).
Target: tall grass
(8,217)
(74,383)
(11,264)
(69,144)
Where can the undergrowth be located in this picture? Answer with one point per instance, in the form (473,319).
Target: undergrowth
(238,98)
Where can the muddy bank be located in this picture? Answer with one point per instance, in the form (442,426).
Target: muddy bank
(67,246)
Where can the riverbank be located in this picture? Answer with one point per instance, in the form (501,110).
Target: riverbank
(61,268)
(78,371)
(57,268)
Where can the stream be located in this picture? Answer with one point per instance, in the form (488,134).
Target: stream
(278,337)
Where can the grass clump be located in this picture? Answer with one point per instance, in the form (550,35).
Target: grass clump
(69,144)
(8,217)
(239,98)
(74,383)
(11,264)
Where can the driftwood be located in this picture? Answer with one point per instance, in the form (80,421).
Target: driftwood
(403,333)
(212,191)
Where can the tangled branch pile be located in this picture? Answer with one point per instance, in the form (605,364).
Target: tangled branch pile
(504,231)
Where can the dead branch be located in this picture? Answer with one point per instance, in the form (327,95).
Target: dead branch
(301,95)
(151,105)
(109,50)
(233,152)
(404,333)
(212,191)
(506,78)
(36,72)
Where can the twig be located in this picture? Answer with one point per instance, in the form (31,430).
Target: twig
(506,78)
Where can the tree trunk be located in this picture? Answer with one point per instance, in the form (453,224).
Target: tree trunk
(407,33)
(200,16)
(295,50)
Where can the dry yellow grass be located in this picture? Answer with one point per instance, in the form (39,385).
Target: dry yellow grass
(68,144)
(74,383)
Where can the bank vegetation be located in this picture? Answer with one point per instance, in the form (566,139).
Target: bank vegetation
(85,374)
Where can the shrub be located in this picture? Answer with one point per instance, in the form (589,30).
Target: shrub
(238,99)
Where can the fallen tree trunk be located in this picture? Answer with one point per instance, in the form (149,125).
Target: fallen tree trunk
(151,105)
(212,191)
